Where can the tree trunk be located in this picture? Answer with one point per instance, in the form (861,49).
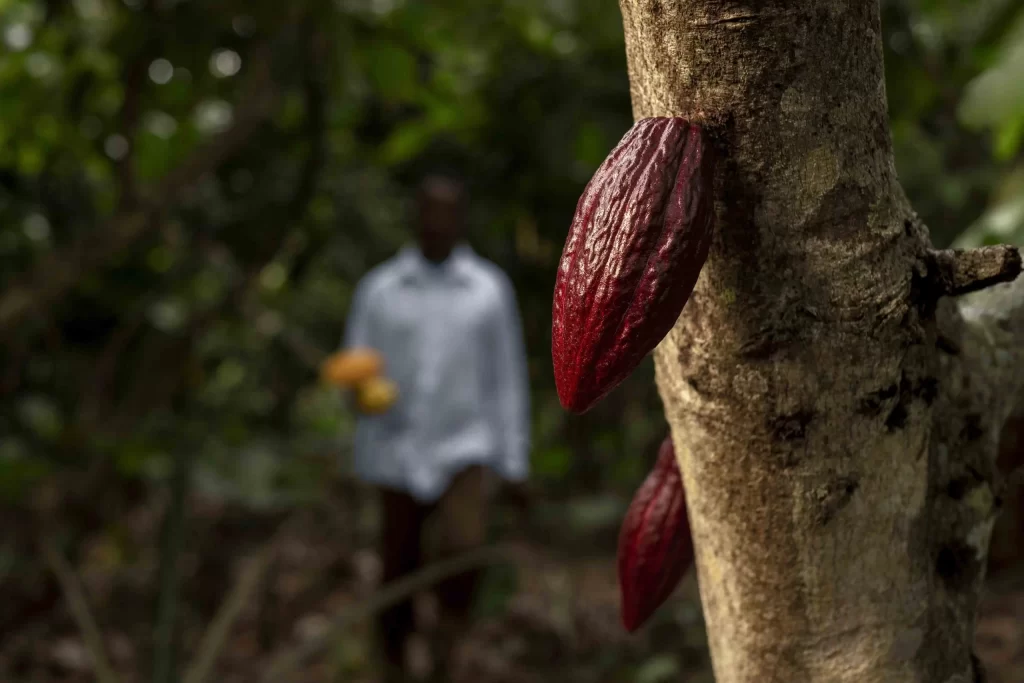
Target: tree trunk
(835,420)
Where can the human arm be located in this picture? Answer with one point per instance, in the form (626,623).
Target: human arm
(358,325)
(359,331)
(512,391)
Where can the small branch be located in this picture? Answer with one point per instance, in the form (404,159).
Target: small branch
(315,95)
(220,627)
(166,646)
(134,80)
(285,662)
(962,271)
(79,606)
(216,634)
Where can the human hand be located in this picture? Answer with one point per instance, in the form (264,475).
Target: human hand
(376,396)
(349,368)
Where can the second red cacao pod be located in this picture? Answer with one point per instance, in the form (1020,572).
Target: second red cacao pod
(655,546)
(640,236)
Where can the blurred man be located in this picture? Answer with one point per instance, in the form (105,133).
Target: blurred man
(447,324)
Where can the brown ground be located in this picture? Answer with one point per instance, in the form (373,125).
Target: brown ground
(557,619)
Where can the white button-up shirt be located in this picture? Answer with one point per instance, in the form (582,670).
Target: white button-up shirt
(452,340)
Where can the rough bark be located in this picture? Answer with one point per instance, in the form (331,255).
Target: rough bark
(836,448)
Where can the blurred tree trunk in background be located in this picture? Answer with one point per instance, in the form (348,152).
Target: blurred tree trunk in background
(836,418)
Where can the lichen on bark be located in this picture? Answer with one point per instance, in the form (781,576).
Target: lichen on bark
(818,414)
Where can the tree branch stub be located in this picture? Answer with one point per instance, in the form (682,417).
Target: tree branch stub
(962,271)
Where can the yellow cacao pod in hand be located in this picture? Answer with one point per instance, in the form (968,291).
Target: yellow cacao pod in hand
(351,367)
(376,395)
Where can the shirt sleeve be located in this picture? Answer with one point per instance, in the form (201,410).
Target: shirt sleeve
(358,330)
(512,387)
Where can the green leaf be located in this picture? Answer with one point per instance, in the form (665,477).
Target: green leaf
(41,415)
(406,142)
(1008,138)
(552,463)
(17,477)
(392,71)
(1001,224)
(591,144)
(30,158)
(498,587)
(659,669)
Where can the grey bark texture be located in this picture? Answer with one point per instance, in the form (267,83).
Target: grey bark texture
(835,418)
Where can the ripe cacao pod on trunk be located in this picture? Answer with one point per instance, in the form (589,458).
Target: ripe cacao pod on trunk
(655,547)
(636,245)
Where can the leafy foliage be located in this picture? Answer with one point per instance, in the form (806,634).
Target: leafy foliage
(175,211)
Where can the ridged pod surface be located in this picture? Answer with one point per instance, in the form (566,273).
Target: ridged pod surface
(635,248)
(655,547)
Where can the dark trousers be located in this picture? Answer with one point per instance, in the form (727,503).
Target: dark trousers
(459,517)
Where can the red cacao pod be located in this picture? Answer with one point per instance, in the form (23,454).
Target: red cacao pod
(655,547)
(636,245)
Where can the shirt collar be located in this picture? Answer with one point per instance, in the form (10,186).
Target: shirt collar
(456,266)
